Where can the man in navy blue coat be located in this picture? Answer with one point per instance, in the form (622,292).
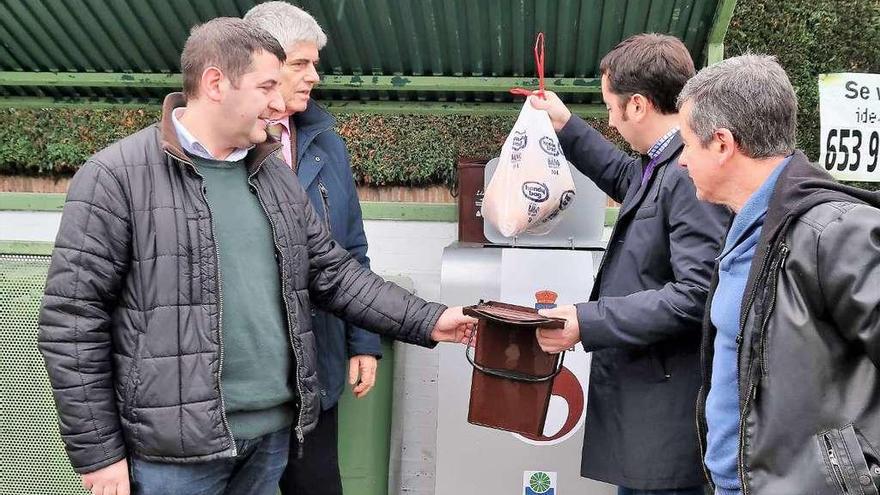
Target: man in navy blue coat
(643,319)
(318,156)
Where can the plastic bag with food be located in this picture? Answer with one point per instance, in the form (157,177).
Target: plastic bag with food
(532,184)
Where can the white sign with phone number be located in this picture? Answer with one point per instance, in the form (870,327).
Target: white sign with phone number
(849,108)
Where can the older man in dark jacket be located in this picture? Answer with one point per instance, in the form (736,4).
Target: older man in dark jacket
(317,154)
(176,323)
(642,321)
(790,402)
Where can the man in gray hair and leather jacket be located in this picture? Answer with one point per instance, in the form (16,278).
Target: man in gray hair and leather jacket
(176,321)
(790,401)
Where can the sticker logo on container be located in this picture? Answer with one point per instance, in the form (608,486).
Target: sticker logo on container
(549,146)
(539,483)
(535,191)
(519,140)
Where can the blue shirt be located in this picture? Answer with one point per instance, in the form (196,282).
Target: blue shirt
(722,403)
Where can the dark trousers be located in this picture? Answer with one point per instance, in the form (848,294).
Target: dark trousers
(696,490)
(255,471)
(317,472)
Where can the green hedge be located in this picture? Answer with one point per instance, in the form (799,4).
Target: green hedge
(57,141)
(809,38)
(385,149)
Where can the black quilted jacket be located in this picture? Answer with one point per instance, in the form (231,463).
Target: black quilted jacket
(131,317)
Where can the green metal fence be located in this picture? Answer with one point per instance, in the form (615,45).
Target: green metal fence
(32,458)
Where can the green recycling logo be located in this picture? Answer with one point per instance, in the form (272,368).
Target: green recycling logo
(539,482)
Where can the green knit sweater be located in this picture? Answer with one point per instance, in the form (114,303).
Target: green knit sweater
(257,376)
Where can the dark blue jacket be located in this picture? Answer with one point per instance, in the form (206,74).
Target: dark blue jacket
(325,173)
(644,317)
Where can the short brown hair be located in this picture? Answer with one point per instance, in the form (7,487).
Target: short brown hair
(227,43)
(655,66)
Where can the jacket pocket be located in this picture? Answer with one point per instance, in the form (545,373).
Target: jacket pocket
(325,200)
(646,212)
(131,387)
(661,373)
(849,465)
(132,378)
(865,460)
(639,366)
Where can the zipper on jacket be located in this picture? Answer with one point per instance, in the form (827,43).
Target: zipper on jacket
(752,295)
(325,198)
(768,310)
(836,470)
(703,392)
(701,433)
(750,394)
(752,384)
(298,429)
(219,304)
(741,464)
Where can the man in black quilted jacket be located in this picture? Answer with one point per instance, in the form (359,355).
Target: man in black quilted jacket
(176,323)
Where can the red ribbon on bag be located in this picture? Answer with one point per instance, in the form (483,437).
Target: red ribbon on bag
(539,65)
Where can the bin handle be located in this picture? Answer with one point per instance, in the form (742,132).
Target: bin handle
(508,374)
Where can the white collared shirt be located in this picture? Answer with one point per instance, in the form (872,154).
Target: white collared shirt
(192,145)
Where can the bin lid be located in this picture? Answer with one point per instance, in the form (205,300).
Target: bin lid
(513,315)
